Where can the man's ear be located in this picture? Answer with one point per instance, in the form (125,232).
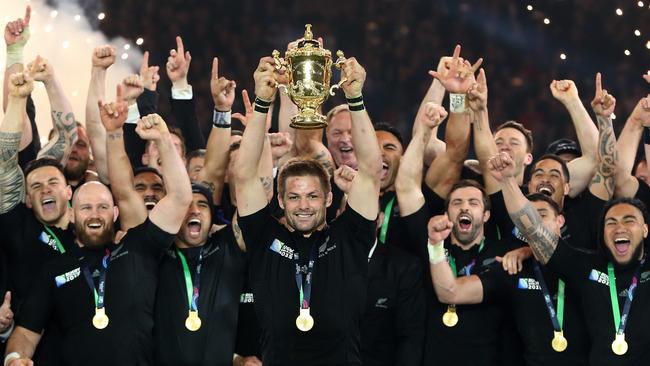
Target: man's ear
(145,159)
(560,220)
(486,215)
(528,159)
(116,213)
(280,203)
(328,199)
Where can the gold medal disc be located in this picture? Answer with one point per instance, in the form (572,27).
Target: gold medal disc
(193,322)
(100,320)
(559,343)
(450,318)
(619,346)
(304,321)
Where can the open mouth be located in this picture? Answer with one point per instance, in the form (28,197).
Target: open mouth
(346,149)
(464,222)
(48,204)
(149,204)
(545,190)
(94,224)
(384,170)
(304,215)
(194,226)
(621,245)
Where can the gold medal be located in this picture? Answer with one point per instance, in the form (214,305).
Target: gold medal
(193,322)
(100,320)
(619,346)
(450,318)
(304,321)
(559,343)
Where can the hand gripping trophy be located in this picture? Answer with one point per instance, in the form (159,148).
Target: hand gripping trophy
(309,68)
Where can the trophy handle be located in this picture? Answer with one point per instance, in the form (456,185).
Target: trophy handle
(279,62)
(339,64)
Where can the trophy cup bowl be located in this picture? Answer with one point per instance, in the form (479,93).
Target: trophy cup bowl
(309,68)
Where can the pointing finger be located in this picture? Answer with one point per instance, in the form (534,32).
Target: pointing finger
(179,45)
(28,15)
(599,87)
(215,68)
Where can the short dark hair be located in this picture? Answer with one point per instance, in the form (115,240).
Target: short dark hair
(385,126)
(619,201)
(43,162)
(540,197)
(528,134)
(198,153)
(299,167)
(147,169)
(464,183)
(565,168)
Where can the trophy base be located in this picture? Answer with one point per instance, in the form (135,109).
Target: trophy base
(308,121)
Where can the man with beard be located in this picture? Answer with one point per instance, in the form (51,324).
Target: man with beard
(39,229)
(77,164)
(197,300)
(612,282)
(150,186)
(309,279)
(102,293)
(390,144)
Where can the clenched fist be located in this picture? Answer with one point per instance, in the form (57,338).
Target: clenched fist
(103,56)
(20,85)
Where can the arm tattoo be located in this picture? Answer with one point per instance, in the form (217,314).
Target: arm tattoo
(239,237)
(12,183)
(607,156)
(267,183)
(115,135)
(208,184)
(542,241)
(66,128)
(323,158)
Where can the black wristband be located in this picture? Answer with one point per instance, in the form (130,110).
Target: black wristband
(358,99)
(262,103)
(646,135)
(356,104)
(259,108)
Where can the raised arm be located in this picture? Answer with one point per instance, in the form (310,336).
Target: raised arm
(435,94)
(12,183)
(169,213)
(602,184)
(363,196)
(627,146)
(103,57)
(524,215)
(449,289)
(62,117)
(583,168)
(214,169)
(132,209)
(408,184)
(249,190)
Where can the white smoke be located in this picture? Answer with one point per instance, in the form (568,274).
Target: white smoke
(64,36)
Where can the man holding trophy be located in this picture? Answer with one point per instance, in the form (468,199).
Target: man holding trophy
(309,279)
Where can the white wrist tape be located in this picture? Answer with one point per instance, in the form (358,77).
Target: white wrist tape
(456,103)
(15,51)
(134,114)
(436,252)
(10,357)
(221,119)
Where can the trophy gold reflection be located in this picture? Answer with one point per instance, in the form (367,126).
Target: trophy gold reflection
(309,68)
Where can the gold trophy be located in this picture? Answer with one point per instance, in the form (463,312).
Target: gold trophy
(309,68)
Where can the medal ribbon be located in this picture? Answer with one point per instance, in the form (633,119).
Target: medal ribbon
(384,225)
(98,293)
(620,320)
(557,318)
(305,293)
(56,239)
(192,285)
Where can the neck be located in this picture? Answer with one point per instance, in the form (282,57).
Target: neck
(183,245)
(62,223)
(390,188)
(476,241)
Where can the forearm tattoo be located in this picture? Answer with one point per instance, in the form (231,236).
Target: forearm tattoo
(607,156)
(323,158)
(541,240)
(267,183)
(12,183)
(66,136)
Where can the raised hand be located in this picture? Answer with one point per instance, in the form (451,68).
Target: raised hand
(355,76)
(603,103)
(20,85)
(41,70)
(151,127)
(478,93)
(149,74)
(265,79)
(17,31)
(343,177)
(280,144)
(103,56)
(460,75)
(132,87)
(178,62)
(641,112)
(501,167)
(6,315)
(646,77)
(433,115)
(113,115)
(248,109)
(21,362)
(564,91)
(222,89)
(439,228)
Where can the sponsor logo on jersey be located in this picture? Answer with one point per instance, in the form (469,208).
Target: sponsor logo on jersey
(61,280)
(246,298)
(528,284)
(600,277)
(382,303)
(48,240)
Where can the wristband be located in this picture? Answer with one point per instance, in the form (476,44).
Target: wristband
(262,105)
(183,93)
(456,103)
(355,104)
(15,51)
(10,357)
(436,252)
(134,114)
(221,119)
(646,135)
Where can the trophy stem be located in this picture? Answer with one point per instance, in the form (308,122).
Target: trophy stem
(308,119)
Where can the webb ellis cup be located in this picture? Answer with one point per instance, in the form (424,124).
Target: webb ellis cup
(309,68)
